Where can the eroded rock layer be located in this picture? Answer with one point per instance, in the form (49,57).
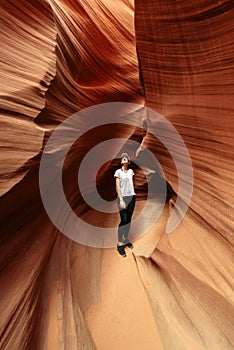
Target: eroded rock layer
(185,57)
(173,291)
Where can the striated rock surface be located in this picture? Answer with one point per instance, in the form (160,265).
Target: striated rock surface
(173,291)
(185,53)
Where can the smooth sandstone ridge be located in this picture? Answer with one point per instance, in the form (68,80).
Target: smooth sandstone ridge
(173,291)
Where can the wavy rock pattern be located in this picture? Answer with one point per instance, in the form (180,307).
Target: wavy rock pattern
(28,40)
(184,53)
(176,290)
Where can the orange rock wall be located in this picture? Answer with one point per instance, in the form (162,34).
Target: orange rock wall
(174,291)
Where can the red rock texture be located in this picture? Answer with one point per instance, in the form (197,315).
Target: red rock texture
(173,291)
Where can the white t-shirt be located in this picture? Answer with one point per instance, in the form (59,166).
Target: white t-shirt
(126,182)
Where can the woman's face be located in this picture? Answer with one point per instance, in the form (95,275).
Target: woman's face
(124,160)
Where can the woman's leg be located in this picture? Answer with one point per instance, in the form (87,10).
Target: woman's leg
(122,225)
(129,212)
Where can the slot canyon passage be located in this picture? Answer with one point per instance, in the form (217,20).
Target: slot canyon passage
(173,290)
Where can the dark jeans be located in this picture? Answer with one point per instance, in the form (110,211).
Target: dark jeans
(125,216)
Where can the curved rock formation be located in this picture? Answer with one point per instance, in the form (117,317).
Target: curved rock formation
(174,291)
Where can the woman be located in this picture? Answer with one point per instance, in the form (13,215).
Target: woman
(126,202)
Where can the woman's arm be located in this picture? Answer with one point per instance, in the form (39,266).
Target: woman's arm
(118,190)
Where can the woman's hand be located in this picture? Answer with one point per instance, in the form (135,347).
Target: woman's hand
(122,204)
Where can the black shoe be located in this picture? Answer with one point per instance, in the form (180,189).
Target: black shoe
(128,244)
(121,250)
